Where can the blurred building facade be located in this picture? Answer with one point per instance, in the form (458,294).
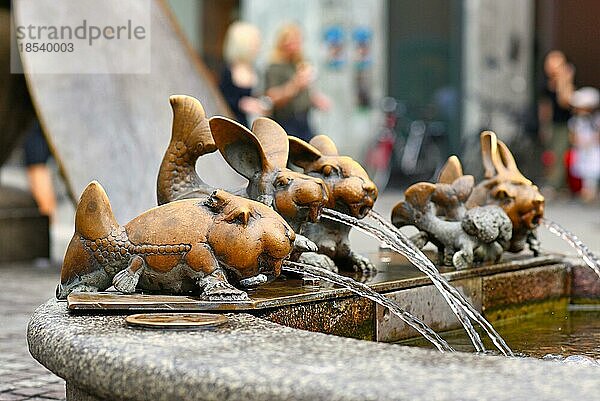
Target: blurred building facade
(472,63)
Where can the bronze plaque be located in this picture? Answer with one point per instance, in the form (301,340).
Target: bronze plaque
(176,321)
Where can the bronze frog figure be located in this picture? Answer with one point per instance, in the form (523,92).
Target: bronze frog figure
(198,245)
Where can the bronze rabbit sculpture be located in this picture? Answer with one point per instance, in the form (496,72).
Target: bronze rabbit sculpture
(432,207)
(351,191)
(259,155)
(504,185)
(462,236)
(189,246)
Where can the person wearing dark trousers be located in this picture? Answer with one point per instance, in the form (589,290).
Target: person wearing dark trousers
(37,153)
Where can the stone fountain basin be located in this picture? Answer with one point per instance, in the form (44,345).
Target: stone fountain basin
(252,358)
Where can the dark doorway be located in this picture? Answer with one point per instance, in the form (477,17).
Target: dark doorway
(217,15)
(424,61)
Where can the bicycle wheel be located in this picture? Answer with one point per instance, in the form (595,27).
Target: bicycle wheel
(430,159)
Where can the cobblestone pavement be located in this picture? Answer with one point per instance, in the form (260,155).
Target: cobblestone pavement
(25,286)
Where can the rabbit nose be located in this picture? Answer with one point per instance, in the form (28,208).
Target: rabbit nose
(243,217)
(539,206)
(369,187)
(311,192)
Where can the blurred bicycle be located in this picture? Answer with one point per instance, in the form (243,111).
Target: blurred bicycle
(379,154)
(519,131)
(410,151)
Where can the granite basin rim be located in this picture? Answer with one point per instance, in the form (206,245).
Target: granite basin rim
(251,358)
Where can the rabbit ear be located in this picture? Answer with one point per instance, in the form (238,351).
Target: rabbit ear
(489,152)
(239,147)
(273,140)
(402,214)
(302,153)
(451,171)
(463,186)
(509,163)
(325,145)
(419,194)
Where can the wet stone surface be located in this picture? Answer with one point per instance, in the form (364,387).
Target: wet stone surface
(536,284)
(248,358)
(586,286)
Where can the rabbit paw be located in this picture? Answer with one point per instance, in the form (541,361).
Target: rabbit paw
(303,244)
(317,259)
(222,291)
(420,239)
(447,257)
(462,260)
(254,281)
(361,263)
(126,280)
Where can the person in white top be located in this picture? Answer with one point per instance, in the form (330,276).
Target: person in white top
(584,131)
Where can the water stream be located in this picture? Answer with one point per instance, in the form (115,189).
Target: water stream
(398,242)
(588,257)
(364,291)
(454,304)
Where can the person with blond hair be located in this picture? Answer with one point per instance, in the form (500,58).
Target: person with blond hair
(288,83)
(239,78)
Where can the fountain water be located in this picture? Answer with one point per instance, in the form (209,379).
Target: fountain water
(364,291)
(588,257)
(401,244)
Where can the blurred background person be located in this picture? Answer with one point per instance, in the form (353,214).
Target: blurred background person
(554,114)
(239,78)
(36,154)
(584,132)
(288,83)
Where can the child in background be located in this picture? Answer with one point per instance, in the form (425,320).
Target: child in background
(584,133)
